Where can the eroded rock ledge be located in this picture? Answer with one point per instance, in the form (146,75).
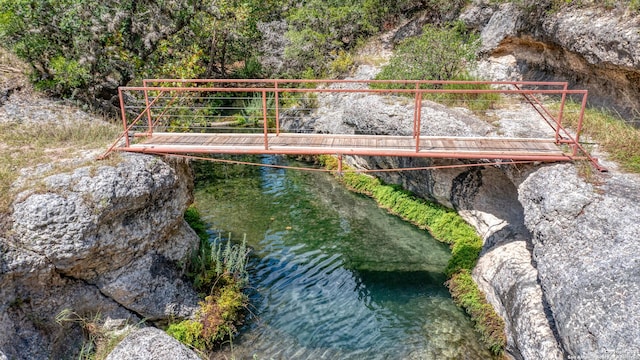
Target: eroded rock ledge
(592,46)
(101,241)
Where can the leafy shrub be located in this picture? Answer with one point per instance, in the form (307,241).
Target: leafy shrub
(319,31)
(437,54)
(69,74)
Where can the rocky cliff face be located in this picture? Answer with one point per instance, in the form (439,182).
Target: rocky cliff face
(596,47)
(102,241)
(581,231)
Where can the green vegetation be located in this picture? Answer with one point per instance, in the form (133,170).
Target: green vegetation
(84,49)
(217,317)
(466,294)
(96,45)
(475,102)
(219,275)
(447,226)
(633,5)
(440,53)
(437,54)
(620,140)
(320,31)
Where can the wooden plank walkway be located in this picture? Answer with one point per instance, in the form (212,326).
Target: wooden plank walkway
(372,145)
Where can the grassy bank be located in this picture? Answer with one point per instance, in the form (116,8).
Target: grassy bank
(447,226)
(620,140)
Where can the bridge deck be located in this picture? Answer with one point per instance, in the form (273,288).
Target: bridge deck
(375,145)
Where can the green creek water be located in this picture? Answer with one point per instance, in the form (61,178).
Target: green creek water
(332,275)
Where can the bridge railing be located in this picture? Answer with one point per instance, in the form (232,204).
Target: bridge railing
(263,105)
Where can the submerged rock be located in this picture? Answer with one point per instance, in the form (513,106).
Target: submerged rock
(102,241)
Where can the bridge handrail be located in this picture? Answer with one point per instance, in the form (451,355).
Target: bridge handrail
(355,81)
(278,86)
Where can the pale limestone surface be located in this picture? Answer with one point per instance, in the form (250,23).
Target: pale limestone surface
(151,344)
(103,241)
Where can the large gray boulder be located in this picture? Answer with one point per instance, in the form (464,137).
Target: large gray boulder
(101,240)
(586,248)
(151,344)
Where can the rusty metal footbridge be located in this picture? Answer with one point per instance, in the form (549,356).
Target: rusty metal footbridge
(234,116)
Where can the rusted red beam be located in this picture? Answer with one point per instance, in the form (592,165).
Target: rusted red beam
(326,90)
(265,120)
(343,81)
(328,151)
(125,133)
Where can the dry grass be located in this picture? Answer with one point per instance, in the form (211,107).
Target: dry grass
(620,140)
(12,70)
(98,342)
(24,145)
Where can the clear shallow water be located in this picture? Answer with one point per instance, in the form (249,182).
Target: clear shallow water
(334,276)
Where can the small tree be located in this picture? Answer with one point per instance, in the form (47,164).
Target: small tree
(437,54)
(319,30)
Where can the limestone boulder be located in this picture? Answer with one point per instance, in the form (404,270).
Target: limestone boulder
(508,278)
(585,248)
(104,241)
(151,344)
